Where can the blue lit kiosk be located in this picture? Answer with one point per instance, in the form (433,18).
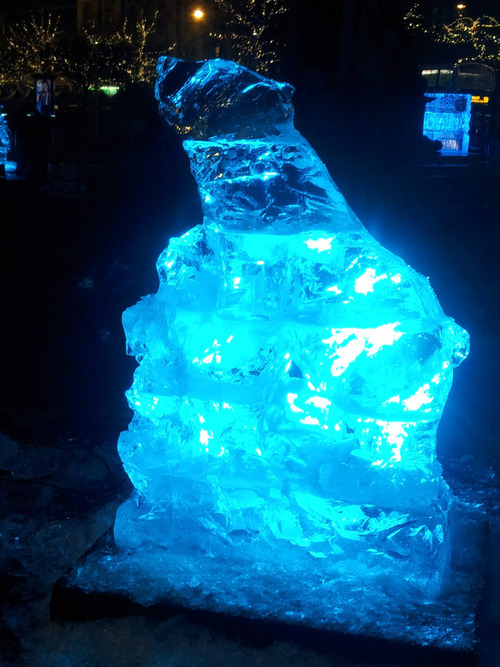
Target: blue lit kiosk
(291,377)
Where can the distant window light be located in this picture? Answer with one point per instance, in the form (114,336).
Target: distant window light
(431,77)
(446,78)
(438,78)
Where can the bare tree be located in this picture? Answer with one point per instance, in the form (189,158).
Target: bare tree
(31,47)
(248,30)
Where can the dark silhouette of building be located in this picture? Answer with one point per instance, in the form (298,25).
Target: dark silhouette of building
(174,24)
(20,10)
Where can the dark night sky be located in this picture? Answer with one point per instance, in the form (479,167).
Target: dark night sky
(320,9)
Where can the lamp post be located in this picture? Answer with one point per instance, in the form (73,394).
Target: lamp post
(198,16)
(95,44)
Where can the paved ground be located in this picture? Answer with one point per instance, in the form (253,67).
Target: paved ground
(79,247)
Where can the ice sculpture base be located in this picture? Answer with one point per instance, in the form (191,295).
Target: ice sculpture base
(280,589)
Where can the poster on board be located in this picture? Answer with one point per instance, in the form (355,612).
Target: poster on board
(44,88)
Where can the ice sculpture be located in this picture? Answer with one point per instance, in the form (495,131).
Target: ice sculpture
(4,140)
(447,119)
(292,374)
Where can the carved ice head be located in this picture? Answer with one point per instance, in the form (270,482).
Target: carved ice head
(218,97)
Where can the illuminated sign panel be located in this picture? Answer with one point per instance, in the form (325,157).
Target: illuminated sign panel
(480,99)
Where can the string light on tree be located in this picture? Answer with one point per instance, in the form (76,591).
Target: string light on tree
(247,31)
(474,38)
(30,47)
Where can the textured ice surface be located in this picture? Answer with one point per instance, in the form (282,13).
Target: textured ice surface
(4,139)
(447,119)
(292,374)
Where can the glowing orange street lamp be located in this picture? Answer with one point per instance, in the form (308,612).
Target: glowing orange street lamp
(198,14)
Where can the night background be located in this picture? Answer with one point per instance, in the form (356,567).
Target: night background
(90,197)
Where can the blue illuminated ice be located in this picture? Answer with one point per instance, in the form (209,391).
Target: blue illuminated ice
(4,139)
(292,374)
(447,119)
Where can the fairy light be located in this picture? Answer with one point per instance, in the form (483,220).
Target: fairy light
(482,33)
(246,24)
